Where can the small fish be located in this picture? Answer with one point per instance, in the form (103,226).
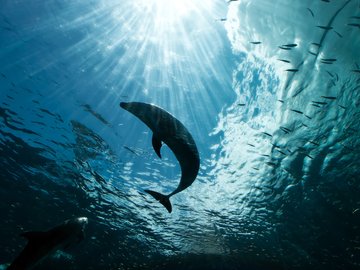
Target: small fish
(307,116)
(48,112)
(222,19)
(270,164)
(327,1)
(291,45)
(314,143)
(302,124)
(312,53)
(299,91)
(281,152)
(316,44)
(331,75)
(356,210)
(241,104)
(356,70)
(98,116)
(328,59)
(255,42)
(275,146)
(286,129)
(342,107)
(315,105)
(267,134)
(299,112)
(255,168)
(283,60)
(311,12)
(309,156)
(355,17)
(340,35)
(232,1)
(325,27)
(354,24)
(319,102)
(285,48)
(329,97)
(326,62)
(251,145)
(265,155)
(129,149)
(281,101)
(292,70)
(3,75)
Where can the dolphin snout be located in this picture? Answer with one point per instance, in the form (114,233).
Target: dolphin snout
(124,105)
(83,220)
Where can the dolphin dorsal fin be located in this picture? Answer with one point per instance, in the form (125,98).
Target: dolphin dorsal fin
(33,236)
(156,143)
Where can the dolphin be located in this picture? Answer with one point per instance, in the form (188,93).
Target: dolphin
(42,244)
(166,128)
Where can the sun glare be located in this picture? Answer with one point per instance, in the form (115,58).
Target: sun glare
(155,44)
(169,11)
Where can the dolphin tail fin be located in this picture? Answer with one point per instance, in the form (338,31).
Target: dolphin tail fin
(163,199)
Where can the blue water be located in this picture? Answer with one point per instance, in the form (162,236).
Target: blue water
(270,91)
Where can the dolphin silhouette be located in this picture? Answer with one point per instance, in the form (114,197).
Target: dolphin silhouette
(166,128)
(43,244)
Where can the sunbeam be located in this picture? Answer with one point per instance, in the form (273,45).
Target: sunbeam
(267,91)
(169,12)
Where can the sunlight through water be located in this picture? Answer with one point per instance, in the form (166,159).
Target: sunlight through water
(269,90)
(171,11)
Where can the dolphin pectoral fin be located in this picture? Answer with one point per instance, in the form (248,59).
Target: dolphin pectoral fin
(163,199)
(81,237)
(156,143)
(33,236)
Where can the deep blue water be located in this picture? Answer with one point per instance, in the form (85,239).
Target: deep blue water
(268,89)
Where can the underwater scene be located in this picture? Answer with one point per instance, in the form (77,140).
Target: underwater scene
(180,134)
